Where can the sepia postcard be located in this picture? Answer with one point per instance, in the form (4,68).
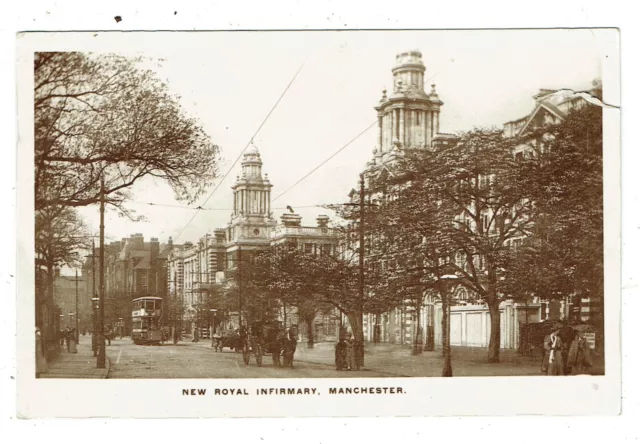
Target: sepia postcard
(318,223)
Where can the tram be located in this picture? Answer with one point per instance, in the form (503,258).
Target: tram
(146,320)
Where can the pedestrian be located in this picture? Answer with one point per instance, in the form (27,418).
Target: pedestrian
(67,337)
(41,361)
(341,354)
(579,361)
(553,364)
(567,335)
(72,341)
(351,364)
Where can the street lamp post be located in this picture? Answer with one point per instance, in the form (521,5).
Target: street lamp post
(121,322)
(71,318)
(448,280)
(77,312)
(213,311)
(94,340)
(101,345)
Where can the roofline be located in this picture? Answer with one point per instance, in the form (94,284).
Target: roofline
(155,298)
(535,111)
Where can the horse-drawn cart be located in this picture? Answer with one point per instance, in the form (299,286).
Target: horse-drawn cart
(269,338)
(227,338)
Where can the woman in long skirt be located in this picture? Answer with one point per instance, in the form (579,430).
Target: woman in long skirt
(553,364)
(72,341)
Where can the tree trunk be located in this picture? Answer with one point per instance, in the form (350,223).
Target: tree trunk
(417,341)
(447,371)
(310,338)
(376,330)
(494,336)
(49,334)
(355,320)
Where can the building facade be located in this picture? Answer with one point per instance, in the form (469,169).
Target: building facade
(69,295)
(552,107)
(133,268)
(409,119)
(218,260)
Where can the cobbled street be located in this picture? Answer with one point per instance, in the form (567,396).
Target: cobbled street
(199,360)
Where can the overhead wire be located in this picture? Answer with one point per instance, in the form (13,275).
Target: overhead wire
(184,207)
(325,161)
(242,152)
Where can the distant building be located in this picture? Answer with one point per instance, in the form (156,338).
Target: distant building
(133,268)
(194,271)
(65,292)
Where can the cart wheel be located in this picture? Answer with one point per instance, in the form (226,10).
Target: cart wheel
(259,356)
(246,355)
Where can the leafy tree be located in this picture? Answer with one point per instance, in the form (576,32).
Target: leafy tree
(564,177)
(280,279)
(475,185)
(410,237)
(60,237)
(103,117)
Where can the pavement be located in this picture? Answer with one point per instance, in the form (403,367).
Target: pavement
(194,360)
(81,365)
(397,360)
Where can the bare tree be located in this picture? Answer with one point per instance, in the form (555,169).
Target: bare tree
(103,117)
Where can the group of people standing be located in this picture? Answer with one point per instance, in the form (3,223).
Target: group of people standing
(68,337)
(567,352)
(346,351)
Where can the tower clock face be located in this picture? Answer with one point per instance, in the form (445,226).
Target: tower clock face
(256,231)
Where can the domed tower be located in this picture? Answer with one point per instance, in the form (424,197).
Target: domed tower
(408,118)
(251,218)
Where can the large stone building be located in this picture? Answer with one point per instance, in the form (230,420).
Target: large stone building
(213,263)
(552,107)
(409,119)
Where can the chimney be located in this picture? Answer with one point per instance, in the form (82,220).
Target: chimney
(154,247)
(138,241)
(291,219)
(170,242)
(219,233)
(323,221)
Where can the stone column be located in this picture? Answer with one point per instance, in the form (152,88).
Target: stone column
(401,136)
(425,135)
(431,119)
(261,194)
(235,203)
(379,132)
(437,128)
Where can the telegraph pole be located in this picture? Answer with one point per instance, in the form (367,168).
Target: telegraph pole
(94,332)
(101,345)
(77,313)
(360,314)
(240,286)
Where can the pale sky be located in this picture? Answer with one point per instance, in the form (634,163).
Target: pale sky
(230,81)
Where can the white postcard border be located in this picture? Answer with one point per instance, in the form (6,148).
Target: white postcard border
(488,396)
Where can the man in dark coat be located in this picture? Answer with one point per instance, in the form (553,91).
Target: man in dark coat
(341,354)
(567,335)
